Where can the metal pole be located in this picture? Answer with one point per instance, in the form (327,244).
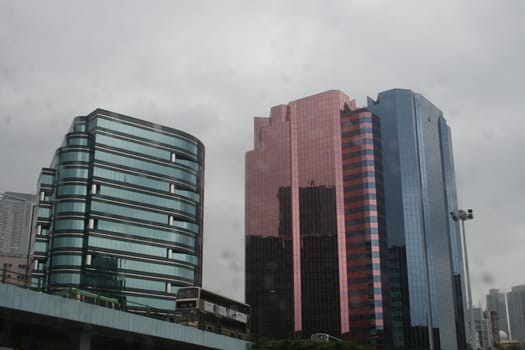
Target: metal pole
(473,344)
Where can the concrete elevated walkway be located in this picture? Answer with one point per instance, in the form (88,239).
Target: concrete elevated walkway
(41,321)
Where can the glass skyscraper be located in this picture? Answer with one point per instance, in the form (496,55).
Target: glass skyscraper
(425,259)
(348,230)
(120,211)
(315,230)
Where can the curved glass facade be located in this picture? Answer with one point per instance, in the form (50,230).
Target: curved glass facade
(128,211)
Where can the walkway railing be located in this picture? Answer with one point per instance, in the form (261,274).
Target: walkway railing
(26,281)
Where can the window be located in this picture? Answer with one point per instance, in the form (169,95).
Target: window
(148,134)
(152,167)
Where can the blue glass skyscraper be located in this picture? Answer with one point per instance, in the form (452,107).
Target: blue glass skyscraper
(120,211)
(423,242)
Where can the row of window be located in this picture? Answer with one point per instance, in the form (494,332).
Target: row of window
(363,152)
(359,131)
(70,206)
(140,248)
(77,140)
(144,133)
(367,196)
(60,242)
(44,212)
(63,224)
(47,179)
(363,244)
(361,119)
(146,215)
(149,151)
(41,247)
(114,209)
(81,189)
(358,221)
(369,279)
(363,256)
(364,208)
(366,267)
(359,175)
(360,141)
(359,164)
(64,278)
(143,181)
(72,190)
(74,156)
(74,278)
(168,203)
(155,168)
(372,184)
(173,271)
(145,232)
(66,260)
(106,281)
(72,173)
(370,316)
(146,150)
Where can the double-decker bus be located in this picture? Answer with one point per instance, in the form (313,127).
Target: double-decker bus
(212,312)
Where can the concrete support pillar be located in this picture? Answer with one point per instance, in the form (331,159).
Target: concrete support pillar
(84,341)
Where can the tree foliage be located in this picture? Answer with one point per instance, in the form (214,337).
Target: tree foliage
(306,345)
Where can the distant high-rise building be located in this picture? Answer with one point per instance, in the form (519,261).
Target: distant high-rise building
(348,226)
(14,270)
(424,246)
(15,223)
(316,244)
(496,302)
(484,331)
(120,211)
(516,303)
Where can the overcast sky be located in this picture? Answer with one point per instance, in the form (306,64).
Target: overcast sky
(209,67)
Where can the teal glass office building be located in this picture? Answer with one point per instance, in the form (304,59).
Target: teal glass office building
(120,211)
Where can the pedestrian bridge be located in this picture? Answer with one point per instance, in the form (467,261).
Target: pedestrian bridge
(34,320)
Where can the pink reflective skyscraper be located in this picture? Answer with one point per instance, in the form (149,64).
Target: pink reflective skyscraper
(315,244)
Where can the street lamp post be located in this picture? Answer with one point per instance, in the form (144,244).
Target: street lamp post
(462,216)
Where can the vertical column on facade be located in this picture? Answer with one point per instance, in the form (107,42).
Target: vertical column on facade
(296,230)
(341,229)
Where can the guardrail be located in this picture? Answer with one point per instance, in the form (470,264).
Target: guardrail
(27,282)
